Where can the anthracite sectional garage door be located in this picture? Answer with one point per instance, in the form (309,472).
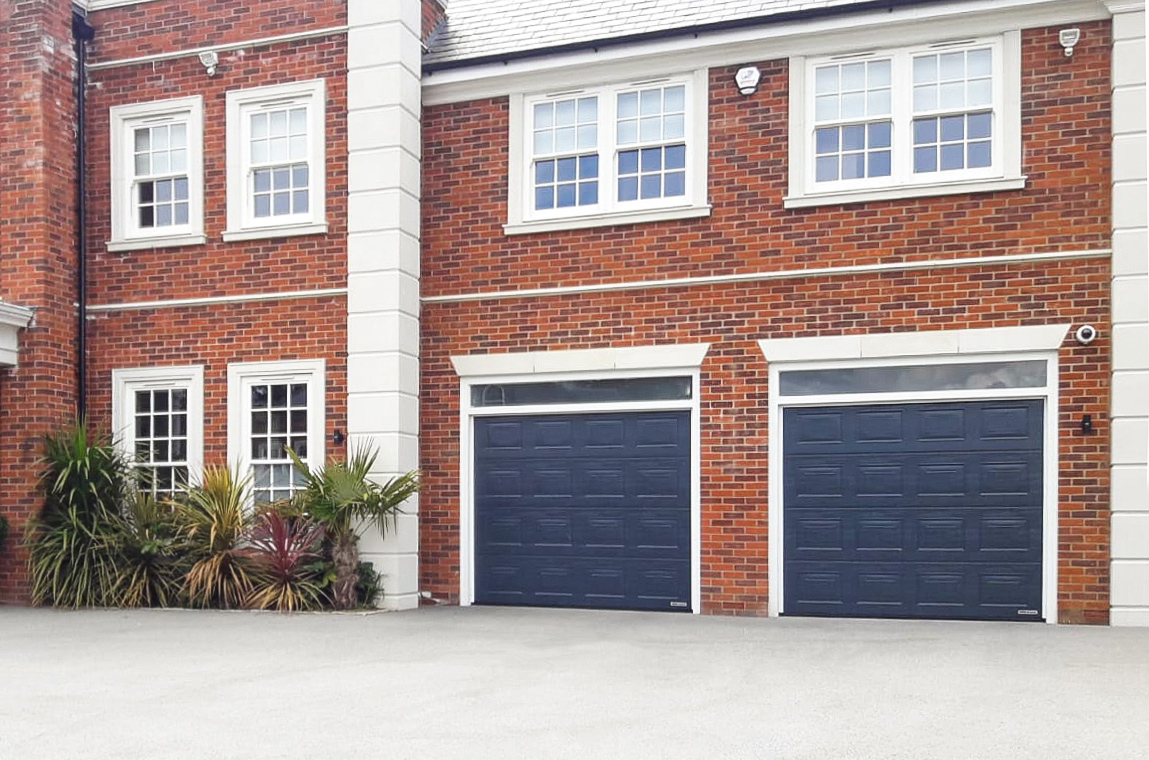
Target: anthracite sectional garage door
(915,510)
(583,510)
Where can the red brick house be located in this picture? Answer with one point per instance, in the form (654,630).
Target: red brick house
(742,307)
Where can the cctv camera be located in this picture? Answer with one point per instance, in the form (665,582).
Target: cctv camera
(1086,334)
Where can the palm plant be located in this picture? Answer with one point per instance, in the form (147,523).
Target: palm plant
(73,541)
(286,554)
(342,497)
(150,569)
(215,524)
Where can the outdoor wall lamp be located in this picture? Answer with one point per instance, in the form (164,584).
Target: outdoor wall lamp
(1069,39)
(210,61)
(337,437)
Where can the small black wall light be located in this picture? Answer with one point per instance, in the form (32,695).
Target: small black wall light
(1087,423)
(337,437)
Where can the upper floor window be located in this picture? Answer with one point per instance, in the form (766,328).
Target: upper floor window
(609,155)
(157,174)
(275,161)
(914,121)
(158,413)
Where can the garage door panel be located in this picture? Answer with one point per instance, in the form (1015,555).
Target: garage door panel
(649,481)
(586,532)
(663,434)
(977,478)
(914,510)
(996,425)
(909,589)
(589,510)
(584,582)
(973,534)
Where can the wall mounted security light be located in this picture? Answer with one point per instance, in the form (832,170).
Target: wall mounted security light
(210,61)
(1069,39)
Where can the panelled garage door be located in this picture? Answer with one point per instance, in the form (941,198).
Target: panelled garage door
(915,510)
(583,510)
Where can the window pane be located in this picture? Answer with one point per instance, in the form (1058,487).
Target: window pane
(953,128)
(565,113)
(628,162)
(826,80)
(880,165)
(925,160)
(544,115)
(587,193)
(979,63)
(879,74)
(853,165)
(278,396)
(650,129)
(263,205)
(953,157)
(880,134)
(628,188)
(143,140)
(587,110)
(583,391)
(826,139)
(566,196)
(676,157)
(674,99)
(566,169)
(545,198)
(675,184)
(544,172)
(941,377)
(925,69)
(980,155)
(628,104)
(925,98)
(853,138)
(588,166)
(980,93)
(652,186)
(827,169)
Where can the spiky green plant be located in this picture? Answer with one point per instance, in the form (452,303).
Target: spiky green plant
(286,554)
(152,552)
(73,541)
(3,532)
(215,525)
(343,498)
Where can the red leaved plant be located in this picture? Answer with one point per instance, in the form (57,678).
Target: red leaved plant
(284,554)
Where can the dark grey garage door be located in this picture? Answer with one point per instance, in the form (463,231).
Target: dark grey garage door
(583,510)
(918,510)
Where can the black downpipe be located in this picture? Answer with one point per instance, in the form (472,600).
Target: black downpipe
(82,34)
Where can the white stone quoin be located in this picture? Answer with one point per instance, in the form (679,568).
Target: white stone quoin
(1129,591)
(384,136)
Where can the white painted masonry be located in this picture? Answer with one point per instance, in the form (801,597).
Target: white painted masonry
(384,136)
(1129,592)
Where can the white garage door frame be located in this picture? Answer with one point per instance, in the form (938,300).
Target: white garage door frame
(556,366)
(917,349)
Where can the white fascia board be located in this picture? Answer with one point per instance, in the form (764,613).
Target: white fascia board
(992,340)
(823,36)
(683,356)
(99,5)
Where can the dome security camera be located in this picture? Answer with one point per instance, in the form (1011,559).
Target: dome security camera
(1086,334)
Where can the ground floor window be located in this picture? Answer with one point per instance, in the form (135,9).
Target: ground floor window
(274,407)
(158,413)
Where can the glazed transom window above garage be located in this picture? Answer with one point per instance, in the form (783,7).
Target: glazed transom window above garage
(157,174)
(608,154)
(922,120)
(276,173)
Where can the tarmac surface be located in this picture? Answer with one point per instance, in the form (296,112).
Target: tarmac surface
(528,683)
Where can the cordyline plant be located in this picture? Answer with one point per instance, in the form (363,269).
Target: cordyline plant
(151,550)
(342,497)
(286,555)
(217,523)
(74,541)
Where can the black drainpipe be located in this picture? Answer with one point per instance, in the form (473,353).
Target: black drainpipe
(82,34)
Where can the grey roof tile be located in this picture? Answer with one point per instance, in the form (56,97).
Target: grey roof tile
(479,29)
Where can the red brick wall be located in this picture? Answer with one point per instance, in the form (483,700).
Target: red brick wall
(167,25)
(433,13)
(213,335)
(217,335)
(1064,207)
(37,253)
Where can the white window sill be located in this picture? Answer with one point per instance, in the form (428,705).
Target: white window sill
(905,191)
(607,220)
(262,233)
(144,244)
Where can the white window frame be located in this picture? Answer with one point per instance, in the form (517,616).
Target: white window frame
(1003,174)
(242,223)
(241,376)
(125,382)
(127,235)
(523,218)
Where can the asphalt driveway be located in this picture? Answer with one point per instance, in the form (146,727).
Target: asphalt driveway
(505,683)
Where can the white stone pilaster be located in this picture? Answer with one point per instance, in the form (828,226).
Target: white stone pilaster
(1129,495)
(384,149)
